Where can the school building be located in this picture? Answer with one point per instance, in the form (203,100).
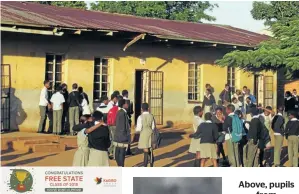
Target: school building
(165,63)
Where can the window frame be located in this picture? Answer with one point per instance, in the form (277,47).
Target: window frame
(231,80)
(268,91)
(54,81)
(100,83)
(194,81)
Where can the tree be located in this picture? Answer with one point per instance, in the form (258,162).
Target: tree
(73,4)
(193,11)
(279,52)
(274,11)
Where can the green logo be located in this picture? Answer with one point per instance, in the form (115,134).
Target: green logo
(20,180)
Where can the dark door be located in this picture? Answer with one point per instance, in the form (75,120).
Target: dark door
(138,93)
(5,96)
(149,89)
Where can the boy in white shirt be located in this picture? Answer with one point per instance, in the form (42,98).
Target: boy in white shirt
(103,108)
(113,101)
(43,105)
(236,103)
(57,101)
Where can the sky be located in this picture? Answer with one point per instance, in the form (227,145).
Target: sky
(237,14)
(234,13)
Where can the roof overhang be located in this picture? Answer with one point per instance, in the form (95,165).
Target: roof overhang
(60,31)
(201,41)
(31,31)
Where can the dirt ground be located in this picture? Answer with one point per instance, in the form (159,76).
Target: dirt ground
(173,152)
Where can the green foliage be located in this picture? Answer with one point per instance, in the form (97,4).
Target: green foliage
(73,4)
(274,11)
(193,11)
(279,52)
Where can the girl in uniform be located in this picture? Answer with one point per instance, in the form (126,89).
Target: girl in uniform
(218,119)
(195,143)
(146,125)
(208,134)
(82,153)
(209,101)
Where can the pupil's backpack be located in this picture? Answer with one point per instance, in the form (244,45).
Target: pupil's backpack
(237,131)
(111,116)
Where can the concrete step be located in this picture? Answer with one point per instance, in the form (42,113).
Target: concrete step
(53,138)
(70,142)
(21,144)
(39,147)
(50,144)
(50,147)
(7,142)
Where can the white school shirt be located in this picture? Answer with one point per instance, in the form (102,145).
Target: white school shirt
(265,118)
(82,133)
(110,105)
(43,99)
(85,107)
(57,100)
(103,110)
(270,116)
(196,122)
(237,106)
(139,123)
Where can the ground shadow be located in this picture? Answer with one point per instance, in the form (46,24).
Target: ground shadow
(284,155)
(169,124)
(188,156)
(9,148)
(6,151)
(12,105)
(27,161)
(70,148)
(172,153)
(12,157)
(168,138)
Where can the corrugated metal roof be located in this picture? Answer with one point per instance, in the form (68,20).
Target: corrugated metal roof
(52,16)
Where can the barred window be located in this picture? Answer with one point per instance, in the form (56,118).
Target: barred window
(54,70)
(194,82)
(100,82)
(231,78)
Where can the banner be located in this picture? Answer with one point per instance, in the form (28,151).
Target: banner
(114,180)
(50,180)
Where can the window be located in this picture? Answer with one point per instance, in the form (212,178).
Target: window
(268,91)
(54,70)
(231,72)
(100,81)
(194,82)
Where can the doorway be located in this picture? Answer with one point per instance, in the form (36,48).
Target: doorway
(256,87)
(149,89)
(5,96)
(259,89)
(138,93)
